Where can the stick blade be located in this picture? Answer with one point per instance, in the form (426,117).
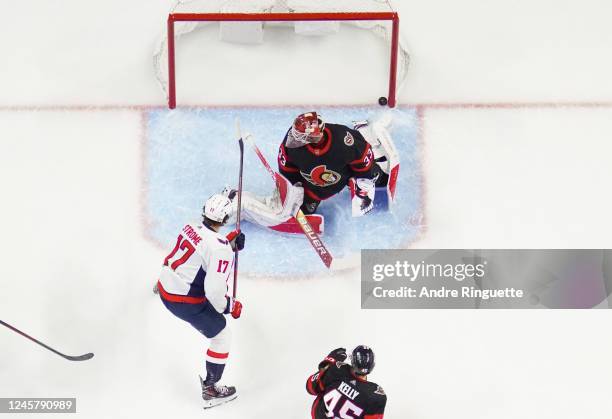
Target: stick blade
(84,357)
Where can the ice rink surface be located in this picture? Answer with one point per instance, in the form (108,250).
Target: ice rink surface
(514,105)
(194,152)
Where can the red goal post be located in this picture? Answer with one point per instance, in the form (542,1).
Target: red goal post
(283,17)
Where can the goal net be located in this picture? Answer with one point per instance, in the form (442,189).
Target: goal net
(244,22)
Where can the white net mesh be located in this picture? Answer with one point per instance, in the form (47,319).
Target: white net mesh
(381,29)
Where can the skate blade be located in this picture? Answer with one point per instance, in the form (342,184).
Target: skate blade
(216,402)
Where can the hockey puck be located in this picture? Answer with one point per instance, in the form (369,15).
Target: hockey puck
(382,101)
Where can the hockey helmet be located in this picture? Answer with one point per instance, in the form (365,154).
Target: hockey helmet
(362,360)
(306,129)
(217,208)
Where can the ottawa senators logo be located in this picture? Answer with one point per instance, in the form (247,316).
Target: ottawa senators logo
(322,176)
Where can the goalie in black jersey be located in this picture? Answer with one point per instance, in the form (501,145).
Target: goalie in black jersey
(316,161)
(325,157)
(343,390)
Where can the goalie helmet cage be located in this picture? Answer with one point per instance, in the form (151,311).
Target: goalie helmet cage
(283,11)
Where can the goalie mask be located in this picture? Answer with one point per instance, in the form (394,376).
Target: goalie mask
(217,208)
(307,129)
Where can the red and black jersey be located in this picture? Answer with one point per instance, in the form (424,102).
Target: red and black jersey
(340,393)
(325,168)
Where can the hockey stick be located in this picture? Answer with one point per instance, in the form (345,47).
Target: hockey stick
(301,219)
(84,357)
(241,145)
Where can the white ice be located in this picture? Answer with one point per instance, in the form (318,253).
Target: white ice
(77,267)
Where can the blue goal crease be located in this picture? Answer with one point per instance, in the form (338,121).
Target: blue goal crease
(192,153)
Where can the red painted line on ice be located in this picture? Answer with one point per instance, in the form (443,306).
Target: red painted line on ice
(511,105)
(421,219)
(77,108)
(146,222)
(424,106)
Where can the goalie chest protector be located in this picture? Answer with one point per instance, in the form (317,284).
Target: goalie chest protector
(325,168)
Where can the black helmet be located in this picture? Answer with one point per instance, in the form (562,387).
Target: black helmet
(362,360)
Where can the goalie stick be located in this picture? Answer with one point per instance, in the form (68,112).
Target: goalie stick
(301,219)
(83,357)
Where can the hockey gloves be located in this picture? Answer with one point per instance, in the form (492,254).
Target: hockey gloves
(337,355)
(234,307)
(236,239)
(362,196)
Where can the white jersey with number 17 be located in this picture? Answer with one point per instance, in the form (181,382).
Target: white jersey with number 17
(200,265)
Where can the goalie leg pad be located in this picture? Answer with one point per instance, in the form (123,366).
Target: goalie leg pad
(377,135)
(385,152)
(274,209)
(261,211)
(278,210)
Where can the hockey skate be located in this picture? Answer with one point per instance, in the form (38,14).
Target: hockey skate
(214,394)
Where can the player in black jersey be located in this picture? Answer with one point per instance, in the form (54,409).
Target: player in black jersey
(343,390)
(323,157)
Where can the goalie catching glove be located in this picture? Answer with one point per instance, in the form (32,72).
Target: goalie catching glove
(362,196)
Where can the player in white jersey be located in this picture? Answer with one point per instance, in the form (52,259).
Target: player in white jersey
(194,286)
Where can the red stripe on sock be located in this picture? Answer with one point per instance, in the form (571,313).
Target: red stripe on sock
(217,355)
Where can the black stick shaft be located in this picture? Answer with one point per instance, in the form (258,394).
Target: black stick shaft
(241,144)
(25,335)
